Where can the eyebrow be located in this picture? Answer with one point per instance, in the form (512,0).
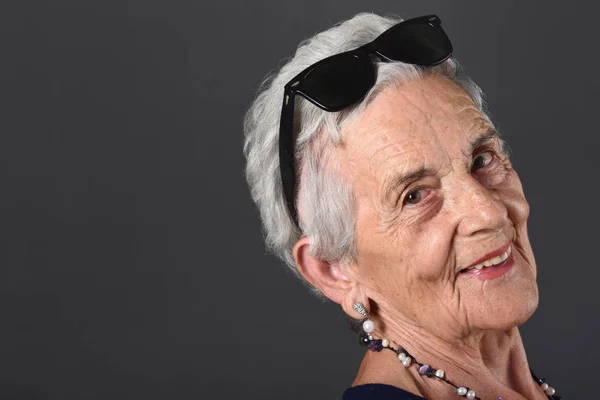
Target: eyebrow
(400,180)
(485,136)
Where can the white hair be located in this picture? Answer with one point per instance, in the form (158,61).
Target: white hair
(325,200)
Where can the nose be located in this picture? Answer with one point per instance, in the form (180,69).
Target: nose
(478,208)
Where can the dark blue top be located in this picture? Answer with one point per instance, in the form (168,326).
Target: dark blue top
(378,391)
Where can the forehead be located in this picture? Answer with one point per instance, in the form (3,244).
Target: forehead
(415,122)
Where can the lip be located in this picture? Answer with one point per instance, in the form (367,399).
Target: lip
(489,273)
(490,255)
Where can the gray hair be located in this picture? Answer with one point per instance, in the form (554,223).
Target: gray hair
(326,203)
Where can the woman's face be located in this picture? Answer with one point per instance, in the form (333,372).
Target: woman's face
(414,237)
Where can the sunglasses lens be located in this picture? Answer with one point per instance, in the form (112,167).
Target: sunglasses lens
(339,82)
(416,43)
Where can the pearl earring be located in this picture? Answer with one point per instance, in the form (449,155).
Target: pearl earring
(368,325)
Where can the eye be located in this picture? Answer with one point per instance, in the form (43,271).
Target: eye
(415,196)
(482,160)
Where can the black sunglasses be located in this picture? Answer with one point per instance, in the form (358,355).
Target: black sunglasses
(341,80)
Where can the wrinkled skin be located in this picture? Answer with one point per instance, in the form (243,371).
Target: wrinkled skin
(412,243)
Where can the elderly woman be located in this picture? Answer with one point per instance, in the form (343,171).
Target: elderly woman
(382,183)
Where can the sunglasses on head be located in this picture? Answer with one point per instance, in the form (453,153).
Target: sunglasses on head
(344,79)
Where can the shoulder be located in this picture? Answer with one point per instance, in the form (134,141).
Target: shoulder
(378,391)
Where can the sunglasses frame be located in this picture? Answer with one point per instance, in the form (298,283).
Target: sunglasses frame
(294,87)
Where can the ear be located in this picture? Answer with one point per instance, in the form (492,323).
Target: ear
(329,278)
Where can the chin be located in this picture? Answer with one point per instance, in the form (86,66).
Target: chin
(508,307)
(528,307)
(517,310)
(525,299)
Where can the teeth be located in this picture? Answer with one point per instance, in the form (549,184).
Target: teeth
(494,260)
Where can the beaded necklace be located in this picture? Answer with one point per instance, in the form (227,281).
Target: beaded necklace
(366,339)
(425,370)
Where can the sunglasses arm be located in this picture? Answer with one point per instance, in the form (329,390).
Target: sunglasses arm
(286,153)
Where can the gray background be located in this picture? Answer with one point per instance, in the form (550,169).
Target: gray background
(132,257)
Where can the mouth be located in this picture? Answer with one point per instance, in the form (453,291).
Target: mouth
(495,264)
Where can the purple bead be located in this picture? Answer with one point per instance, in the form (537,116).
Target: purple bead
(427,371)
(500,398)
(423,369)
(375,345)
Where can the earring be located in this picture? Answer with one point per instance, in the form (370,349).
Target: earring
(368,325)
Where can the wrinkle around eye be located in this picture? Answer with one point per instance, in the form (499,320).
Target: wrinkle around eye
(431,185)
(422,212)
(416,190)
(494,173)
(395,214)
(428,204)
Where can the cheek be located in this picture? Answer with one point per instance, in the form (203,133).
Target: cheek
(431,247)
(403,274)
(514,198)
(412,278)
(517,207)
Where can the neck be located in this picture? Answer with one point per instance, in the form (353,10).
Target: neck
(492,363)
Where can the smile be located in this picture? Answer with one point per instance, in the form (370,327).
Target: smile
(492,261)
(493,267)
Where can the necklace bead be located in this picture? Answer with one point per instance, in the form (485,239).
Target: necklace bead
(427,371)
